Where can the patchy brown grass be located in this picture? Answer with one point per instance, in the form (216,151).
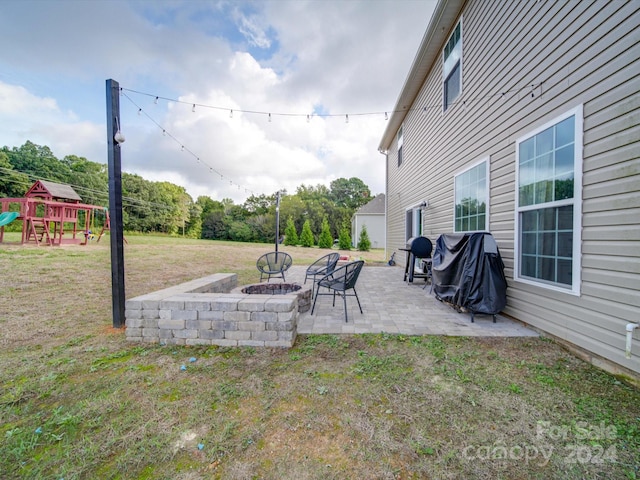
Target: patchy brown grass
(78,401)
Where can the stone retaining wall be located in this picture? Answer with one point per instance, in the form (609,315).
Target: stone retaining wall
(201,312)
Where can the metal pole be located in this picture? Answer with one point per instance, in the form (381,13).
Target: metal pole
(115,204)
(277,222)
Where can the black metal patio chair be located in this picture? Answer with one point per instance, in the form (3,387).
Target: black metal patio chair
(339,282)
(322,266)
(274,264)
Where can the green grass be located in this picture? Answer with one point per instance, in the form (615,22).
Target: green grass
(79,402)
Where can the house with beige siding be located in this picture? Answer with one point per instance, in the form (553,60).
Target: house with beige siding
(522,118)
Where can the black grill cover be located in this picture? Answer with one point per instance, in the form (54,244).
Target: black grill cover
(468,272)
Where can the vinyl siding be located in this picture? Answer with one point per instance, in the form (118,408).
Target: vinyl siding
(524,64)
(375,228)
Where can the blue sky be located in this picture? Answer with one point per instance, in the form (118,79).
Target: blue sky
(291,58)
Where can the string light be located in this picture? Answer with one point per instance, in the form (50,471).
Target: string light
(270,115)
(183,148)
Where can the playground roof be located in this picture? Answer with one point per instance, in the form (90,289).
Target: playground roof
(53,191)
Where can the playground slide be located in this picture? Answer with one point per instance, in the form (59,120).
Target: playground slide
(8,217)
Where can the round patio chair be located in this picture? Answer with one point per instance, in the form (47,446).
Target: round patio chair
(274,264)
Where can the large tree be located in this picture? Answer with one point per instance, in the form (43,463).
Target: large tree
(13,184)
(351,193)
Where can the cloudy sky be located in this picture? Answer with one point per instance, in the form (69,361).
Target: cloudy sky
(307,63)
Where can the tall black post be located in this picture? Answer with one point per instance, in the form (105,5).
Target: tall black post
(277,222)
(115,204)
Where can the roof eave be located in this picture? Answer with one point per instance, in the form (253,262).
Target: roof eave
(442,20)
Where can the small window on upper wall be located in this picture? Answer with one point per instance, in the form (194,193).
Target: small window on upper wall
(452,67)
(471,199)
(400,142)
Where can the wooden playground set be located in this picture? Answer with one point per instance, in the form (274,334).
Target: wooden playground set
(52,214)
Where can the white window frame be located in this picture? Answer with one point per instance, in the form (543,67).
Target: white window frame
(458,175)
(576,201)
(413,217)
(448,67)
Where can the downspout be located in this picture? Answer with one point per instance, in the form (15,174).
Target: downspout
(386,197)
(630,328)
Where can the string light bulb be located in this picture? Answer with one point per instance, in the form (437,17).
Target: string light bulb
(118,137)
(193,109)
(230,113)
(269,118)
(346,118)
(386,116)
(308,119)
(139,111)
(156,101)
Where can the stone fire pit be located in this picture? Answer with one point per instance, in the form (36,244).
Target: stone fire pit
(271,288)
(303,293)
(213,311)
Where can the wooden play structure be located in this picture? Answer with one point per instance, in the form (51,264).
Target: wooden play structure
(52,214)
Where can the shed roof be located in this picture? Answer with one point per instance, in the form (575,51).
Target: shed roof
(375,206)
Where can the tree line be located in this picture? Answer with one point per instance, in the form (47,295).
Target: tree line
(162,207)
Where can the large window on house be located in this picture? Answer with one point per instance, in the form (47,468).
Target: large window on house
(471,198)
(400,143)
(452,67)
(548,217)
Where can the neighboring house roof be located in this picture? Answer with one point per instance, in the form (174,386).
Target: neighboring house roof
(375,206)
(442,21)
(56,191)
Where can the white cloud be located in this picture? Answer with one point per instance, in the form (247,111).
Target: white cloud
(251,27)
(24,116)
(348,57)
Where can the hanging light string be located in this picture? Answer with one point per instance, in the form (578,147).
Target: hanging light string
(184,148)
(530,87)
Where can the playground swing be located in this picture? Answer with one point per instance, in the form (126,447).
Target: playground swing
(88,234)
(106,226)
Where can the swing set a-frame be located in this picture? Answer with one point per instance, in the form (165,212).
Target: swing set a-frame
(53,214)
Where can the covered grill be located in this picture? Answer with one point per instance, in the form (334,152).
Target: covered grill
(417,248)
(468,272)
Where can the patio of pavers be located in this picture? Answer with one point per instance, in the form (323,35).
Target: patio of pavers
(391,305)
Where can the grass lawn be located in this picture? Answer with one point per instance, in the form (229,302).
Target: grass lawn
(79,402)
